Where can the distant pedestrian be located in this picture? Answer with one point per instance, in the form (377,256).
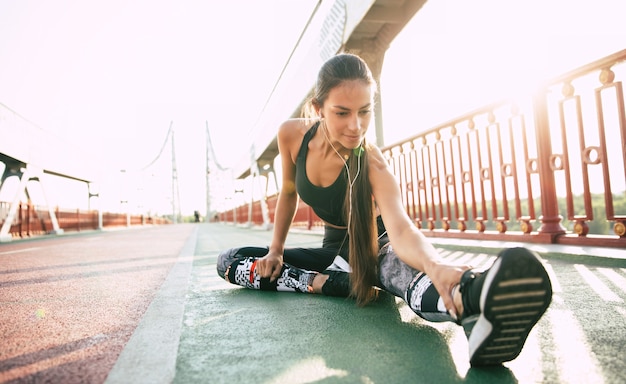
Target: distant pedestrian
(370,243)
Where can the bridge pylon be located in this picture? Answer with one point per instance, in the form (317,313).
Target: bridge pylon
(26,174)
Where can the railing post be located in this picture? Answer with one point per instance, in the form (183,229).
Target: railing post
(550,218)
(28,212)
(21,218)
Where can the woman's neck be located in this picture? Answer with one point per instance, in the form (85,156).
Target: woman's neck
(329,149)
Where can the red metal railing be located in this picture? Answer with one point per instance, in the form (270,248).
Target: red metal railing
(494,166)
(31,220)
(548,168)
(304,217)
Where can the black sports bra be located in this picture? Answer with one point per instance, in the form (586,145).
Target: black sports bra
(326,202)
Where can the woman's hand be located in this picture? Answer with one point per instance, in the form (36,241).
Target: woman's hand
(445,276)
(270,265)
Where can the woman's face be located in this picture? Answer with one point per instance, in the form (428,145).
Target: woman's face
(347,112)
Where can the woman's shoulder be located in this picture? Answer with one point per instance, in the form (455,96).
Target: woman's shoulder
(298,124)
(293,129)
(290,135)
(376,158)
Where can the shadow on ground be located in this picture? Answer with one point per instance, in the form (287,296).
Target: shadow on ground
(232,335)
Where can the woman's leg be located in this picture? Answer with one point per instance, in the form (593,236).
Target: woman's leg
(500,305)
(411,285)
(301,266)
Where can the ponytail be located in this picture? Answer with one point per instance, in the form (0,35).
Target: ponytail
(362,230)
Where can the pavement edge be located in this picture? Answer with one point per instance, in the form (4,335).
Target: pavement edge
(150,354)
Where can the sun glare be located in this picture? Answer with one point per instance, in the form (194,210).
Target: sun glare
(455,56)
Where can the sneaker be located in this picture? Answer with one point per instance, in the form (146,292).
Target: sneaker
(503,304)
(297,279)
(338,284)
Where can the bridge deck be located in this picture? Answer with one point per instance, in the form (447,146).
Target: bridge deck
(146,305)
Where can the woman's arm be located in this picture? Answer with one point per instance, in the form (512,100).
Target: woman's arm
(408,241)
(286,204)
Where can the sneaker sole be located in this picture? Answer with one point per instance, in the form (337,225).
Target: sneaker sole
(516,293)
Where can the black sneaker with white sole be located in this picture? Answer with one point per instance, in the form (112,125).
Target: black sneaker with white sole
(502,304)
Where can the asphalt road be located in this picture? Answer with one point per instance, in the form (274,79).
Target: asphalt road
(146,306)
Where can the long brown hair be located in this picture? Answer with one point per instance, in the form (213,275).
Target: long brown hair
(359,204)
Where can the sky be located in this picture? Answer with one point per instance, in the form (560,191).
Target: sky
(110,78)
(459,55)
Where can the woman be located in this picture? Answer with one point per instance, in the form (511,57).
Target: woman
(369,240)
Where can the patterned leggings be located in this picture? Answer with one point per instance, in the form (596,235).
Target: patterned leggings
(302,264)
